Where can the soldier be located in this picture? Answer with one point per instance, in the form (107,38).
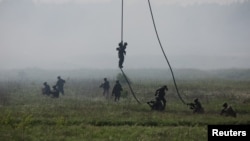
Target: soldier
(196,106)
(227,111)
(105,87)
(55,92)
(156,105)
(160,93)
(46,89)
(60,84)
(121,53)
(117,90)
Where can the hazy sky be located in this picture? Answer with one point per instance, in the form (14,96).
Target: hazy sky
(74,34)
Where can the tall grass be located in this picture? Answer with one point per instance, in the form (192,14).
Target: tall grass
(84,114)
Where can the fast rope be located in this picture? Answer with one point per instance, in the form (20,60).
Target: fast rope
(159,41)
(129,86)
(121,68)
(122,23)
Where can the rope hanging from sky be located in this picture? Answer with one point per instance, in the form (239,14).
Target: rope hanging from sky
(129,86)
(121,68)
(122,23)
(159,41)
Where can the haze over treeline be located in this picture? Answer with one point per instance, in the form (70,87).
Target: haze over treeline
(76,34)
(39,75)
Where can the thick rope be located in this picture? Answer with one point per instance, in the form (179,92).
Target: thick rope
(121,68)
(130,86)
(159,41)
(122,23)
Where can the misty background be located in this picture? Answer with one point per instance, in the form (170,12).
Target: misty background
(80,34)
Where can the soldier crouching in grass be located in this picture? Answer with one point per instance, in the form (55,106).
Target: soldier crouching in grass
(227,111)
(160,94)
(46,89)
(196,106)
(156,105)
(160,102)
(55,92)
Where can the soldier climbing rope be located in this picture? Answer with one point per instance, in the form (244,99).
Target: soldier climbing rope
(159,41)
(121,50)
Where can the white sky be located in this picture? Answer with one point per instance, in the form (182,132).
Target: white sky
(72,34)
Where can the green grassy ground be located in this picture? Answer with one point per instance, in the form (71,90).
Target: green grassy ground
(84,114)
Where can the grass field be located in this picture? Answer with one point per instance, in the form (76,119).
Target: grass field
(84,114)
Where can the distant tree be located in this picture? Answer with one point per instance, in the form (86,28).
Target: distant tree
(122,79)
(124,94)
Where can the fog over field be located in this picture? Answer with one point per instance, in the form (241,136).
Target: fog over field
(135,75)
(76,34)
(207,43)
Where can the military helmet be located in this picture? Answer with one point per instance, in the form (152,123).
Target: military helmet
(225,104)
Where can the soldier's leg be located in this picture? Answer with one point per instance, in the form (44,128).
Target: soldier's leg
(164,102)
(107,94)
(118,96)
(121,61)
(115,97)
(62,91)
